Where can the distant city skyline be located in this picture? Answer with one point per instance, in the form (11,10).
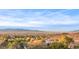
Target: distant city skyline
(40,19)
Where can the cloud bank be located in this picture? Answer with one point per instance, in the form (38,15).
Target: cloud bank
(40,19)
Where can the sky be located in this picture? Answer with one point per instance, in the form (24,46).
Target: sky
(40,19)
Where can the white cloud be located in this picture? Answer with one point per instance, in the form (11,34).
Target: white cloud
(38,19)
(59,19)
(28,24)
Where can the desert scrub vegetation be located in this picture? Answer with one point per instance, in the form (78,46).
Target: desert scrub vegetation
(36,41)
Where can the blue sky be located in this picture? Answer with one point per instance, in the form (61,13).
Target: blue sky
(40,19)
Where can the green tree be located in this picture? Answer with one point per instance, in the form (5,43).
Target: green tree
(68,40)
(57,45)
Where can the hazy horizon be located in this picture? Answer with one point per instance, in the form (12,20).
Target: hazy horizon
(40,19)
